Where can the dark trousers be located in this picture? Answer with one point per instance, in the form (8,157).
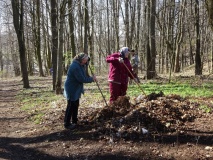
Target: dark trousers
(71,112)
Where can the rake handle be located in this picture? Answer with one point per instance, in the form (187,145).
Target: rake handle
(134,80)
(98,86)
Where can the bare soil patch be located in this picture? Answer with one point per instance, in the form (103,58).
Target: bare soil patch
(177,129)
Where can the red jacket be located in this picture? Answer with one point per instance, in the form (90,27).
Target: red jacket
(118,73)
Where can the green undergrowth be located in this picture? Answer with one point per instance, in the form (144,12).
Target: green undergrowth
(182,89)
(37,100)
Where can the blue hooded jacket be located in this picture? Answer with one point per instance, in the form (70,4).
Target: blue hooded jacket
(76,76)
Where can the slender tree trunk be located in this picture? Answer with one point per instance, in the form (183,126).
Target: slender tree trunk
(138,25)
(198,67)
(18,15)
(132,20)
(61,48)
(45,31)
(80,27)
(71,25)
(54,39)
(28,54)
(126,22)
(148,52)
(209,7)
(152,38)
(116,23)
(91,36)
(108,30)
(38,38)
(86,18)
(180,33)
(86,25)
(151,48)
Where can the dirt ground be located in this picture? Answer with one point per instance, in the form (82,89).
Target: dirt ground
(177,130)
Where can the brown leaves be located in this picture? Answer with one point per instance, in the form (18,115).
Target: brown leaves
(156,113)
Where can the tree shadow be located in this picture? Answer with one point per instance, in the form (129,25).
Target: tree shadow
(14,148)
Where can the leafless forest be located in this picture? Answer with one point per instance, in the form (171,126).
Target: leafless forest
(169,35)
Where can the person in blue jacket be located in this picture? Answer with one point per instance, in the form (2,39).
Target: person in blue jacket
(73,88)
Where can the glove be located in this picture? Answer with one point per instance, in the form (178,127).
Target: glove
(121,60)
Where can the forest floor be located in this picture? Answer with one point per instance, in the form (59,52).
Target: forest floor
(176,129)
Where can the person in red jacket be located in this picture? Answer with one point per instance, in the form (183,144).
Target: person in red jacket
(118,73)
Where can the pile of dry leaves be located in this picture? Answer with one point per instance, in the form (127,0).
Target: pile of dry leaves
(152,114)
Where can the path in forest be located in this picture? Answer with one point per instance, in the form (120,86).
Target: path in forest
(14,128)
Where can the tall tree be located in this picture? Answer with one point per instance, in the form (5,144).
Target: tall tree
(18,16)
(54,39)
(151,45)
(132,20)
(209,7)
(71,26)
(91,35)
(29,54)
(38,38)
(116,4)
(108,30)
(138,25)
(61,48)
(80,44)
(45,35)
(198,65)
(126,22)
(86,25)
(179,37)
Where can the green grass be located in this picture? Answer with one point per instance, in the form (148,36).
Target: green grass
(182,89)
(36,100)
(206,108)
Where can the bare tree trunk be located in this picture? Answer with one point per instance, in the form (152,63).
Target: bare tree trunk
(61,48)
(54,39)
(152,38)
(132,20)
(80,26)
(45,31)
(86,25)
(18,15)
(38,39)
(209,7)
(151,48)
(191,58)
(116,23)
(71,25)
(180,33)
(138,25)
(198,67)
(28,53)
(148,52)
(170,39)
(86,20)
(12,49)
(126,22)
(108,30)
(49,54)
(91,36)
